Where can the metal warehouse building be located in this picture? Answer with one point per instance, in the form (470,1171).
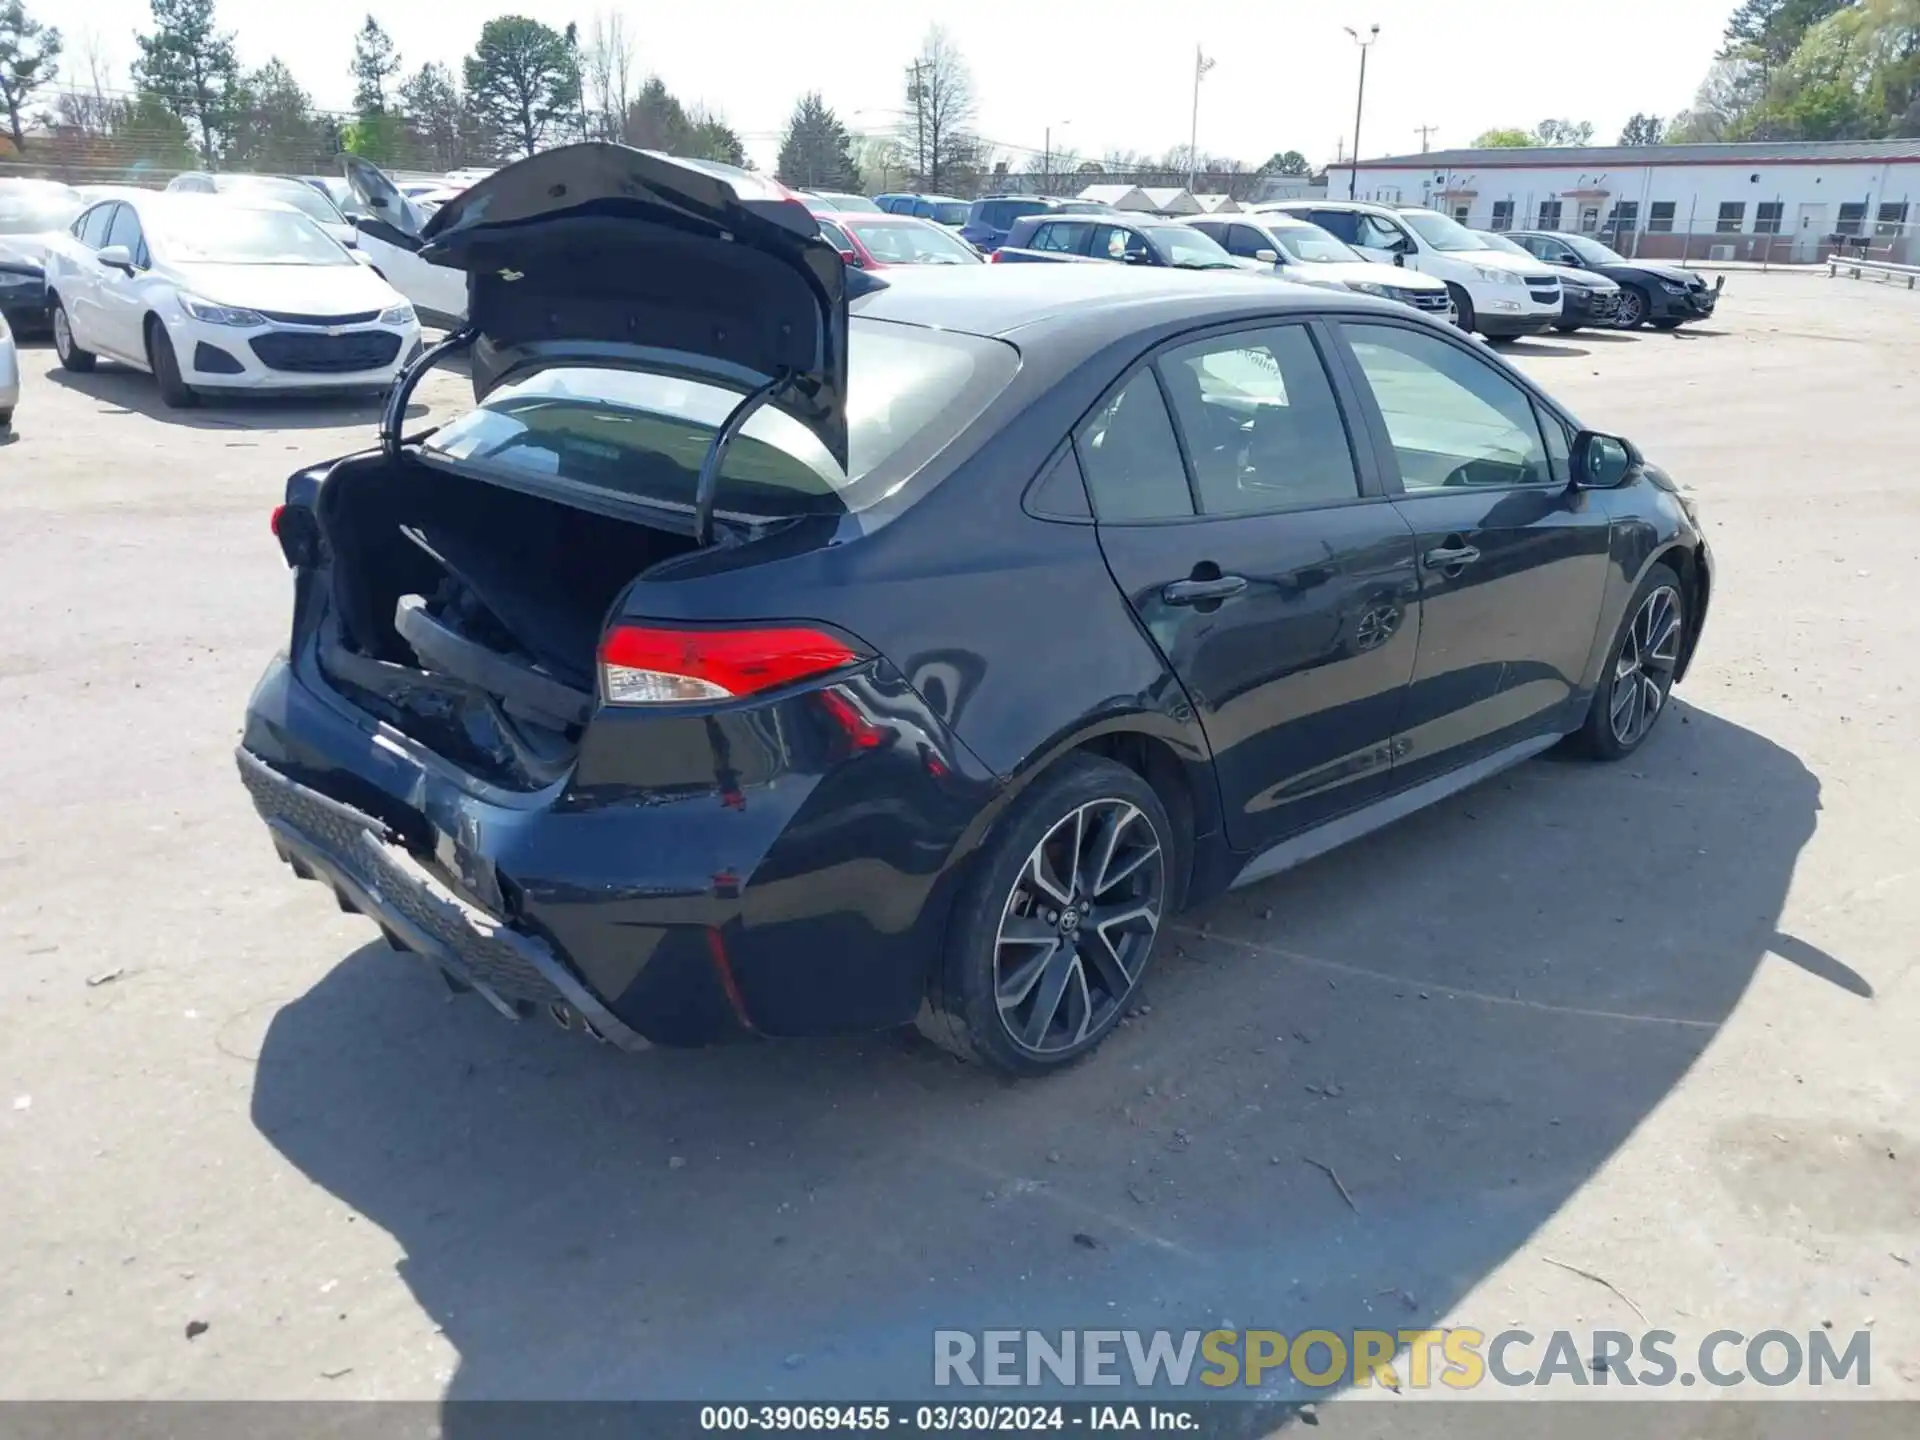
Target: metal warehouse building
(1770,201)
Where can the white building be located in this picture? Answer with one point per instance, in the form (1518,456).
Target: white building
(1778,201)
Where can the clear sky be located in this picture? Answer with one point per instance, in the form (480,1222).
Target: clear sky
(1104,76)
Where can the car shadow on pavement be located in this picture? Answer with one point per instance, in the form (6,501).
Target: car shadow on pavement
(1544,348)
(1461,1018)
(133,392)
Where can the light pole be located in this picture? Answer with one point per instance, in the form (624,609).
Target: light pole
(1201,65)
(1046,157)
(1359,104)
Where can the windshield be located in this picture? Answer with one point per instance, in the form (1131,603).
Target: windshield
(234,235)
(1501,242)
(304,198)
(1592,251)
(31,209)
(1314,246)
(1440,232)
(1187,248)
(910,244)
(630,434)
(952,212)
(853,204)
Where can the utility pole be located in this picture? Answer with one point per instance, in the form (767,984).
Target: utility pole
(919,122)
(1426,134)
(1359,104)
(1201,65)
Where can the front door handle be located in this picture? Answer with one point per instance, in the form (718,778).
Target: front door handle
(1451,557)
(1193,592)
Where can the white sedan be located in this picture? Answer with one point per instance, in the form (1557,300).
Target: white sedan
(212,293)
(9,377)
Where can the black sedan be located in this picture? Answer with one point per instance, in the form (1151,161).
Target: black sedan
(1113,238)
(1664,296)
(842,651)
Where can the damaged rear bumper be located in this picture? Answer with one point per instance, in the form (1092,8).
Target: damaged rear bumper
(370,874)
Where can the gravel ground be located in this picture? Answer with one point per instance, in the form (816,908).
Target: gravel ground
(1652,1021)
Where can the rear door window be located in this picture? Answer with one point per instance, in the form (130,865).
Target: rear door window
(1063,237)
(1343,224)
(1131,459)
(631,435)
(1262,427)
(91,228)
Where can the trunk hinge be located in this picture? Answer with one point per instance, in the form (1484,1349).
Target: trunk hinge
(708,486)
(395,415)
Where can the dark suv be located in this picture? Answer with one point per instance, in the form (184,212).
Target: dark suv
(991,218)
(784,650)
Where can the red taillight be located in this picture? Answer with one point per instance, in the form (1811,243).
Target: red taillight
(993,257)
(273,521)
(641,665)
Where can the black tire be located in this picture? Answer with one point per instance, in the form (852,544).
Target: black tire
(1565,329)
(1463,313)
(1089,983)
(72,357)
(1670,323)
(1635,305)
(175,393)
(1656,657)
(6,421)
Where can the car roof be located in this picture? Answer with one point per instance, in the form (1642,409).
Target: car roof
(1271,219)
(1082,306)
(187,202)
(869,217)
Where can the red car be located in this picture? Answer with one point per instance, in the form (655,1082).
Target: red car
(875,242)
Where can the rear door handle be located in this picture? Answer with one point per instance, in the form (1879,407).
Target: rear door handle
(1451,557)
(1192,592)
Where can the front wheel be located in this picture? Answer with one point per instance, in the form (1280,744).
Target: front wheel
(1638,677)
(175,393)
(72,357)
(1670,323)
(1565,329)
(1634,304)
(1057,923)
(1463,315)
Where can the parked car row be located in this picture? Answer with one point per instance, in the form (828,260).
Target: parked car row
(917,653)
(112,272)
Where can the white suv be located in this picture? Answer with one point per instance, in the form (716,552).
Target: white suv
(1495,293)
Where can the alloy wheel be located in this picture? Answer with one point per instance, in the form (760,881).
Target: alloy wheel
(1078,926)
(1644,672)
(62,334)
(1633,309)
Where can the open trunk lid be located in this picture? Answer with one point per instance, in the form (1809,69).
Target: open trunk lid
(603,254)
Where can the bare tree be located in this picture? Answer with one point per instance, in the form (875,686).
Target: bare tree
(88,101)
(941,107)
(609,77)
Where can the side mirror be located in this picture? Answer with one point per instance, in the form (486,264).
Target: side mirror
(1601,462)
(117,256)
(1137,257)
(848,257)
(1269,257)
(1400,258)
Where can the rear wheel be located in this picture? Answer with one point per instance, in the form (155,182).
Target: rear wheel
(1668,324)
(1565,329)
(6,421)
(1638,676)
(1634,305)
(1463,315)
(1057,924)
(72,357)
(175,393)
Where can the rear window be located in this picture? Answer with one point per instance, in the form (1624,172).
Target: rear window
(630,435)
(1001,214)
